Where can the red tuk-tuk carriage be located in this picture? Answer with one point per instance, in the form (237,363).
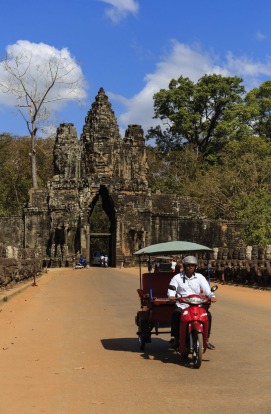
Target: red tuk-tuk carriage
(154,316)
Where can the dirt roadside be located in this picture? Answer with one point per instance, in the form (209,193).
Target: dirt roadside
(9,292)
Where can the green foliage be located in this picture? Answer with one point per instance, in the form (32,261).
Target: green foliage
(99,221)
(193,112)
(165,139)
(172,172)
(255,210)
(216,147)
(235,184)
(258,103)
(44,149)
(15,179)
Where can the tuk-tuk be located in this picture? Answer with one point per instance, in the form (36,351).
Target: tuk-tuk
(154,316)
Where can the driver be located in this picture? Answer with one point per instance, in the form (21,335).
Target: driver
(187,282)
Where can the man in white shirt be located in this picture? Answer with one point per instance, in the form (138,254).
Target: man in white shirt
(188,282)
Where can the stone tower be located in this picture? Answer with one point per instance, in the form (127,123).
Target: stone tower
(101,165)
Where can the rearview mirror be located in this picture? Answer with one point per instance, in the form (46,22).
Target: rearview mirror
(214,288)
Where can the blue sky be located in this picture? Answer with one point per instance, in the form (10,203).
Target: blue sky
(133,48)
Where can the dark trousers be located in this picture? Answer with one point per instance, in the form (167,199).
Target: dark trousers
(175,322)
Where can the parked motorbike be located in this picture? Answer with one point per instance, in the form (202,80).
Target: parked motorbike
(194,326)
(81,265)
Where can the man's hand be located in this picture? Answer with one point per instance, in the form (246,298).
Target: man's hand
(213,299)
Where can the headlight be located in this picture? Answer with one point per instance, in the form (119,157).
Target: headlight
(194,301)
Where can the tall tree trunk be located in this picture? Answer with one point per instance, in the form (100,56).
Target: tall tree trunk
(33,161)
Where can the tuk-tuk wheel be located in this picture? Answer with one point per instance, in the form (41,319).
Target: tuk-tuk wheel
(141,342)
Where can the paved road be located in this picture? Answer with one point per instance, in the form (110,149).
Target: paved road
(69,346)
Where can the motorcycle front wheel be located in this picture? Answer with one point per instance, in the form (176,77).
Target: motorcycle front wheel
(141,342)
(197,349)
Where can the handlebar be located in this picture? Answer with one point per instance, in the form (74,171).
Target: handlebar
(194,299)
(199,299)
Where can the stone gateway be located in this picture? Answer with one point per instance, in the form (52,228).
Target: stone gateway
(102,170)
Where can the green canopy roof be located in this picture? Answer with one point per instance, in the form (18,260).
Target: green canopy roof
(173,247)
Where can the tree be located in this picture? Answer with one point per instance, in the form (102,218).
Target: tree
(45,169)
(172,172)
(39,85)
(15,178)
(233,188)
(255,211)
(165,139)
(192,112)
(15,173)
(258,103)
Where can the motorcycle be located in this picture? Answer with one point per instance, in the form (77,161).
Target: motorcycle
(194,326)
(81,265)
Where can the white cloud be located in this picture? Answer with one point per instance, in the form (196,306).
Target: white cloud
(191,62)
(120,9)
(40,55)
(260,36)
(245,67)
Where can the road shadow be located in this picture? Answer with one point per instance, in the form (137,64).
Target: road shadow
(157,350)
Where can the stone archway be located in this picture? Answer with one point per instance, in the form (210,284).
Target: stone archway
(102,226)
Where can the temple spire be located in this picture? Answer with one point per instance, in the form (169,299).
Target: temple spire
(101,122)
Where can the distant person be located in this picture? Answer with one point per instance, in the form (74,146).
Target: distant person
(82,261)
(105,260)
(178,267)
(157,269)
(173,264)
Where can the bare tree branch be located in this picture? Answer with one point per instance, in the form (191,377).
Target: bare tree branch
(37,87)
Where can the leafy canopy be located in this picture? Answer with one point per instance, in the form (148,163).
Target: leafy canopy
(192,112)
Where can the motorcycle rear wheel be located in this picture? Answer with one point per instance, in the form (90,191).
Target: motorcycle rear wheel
(143,333)
(197,349)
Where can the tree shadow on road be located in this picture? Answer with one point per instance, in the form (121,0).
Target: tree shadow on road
(157,350)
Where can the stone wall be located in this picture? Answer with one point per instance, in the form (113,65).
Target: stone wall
(241,266)
(12,231)
(13,271)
